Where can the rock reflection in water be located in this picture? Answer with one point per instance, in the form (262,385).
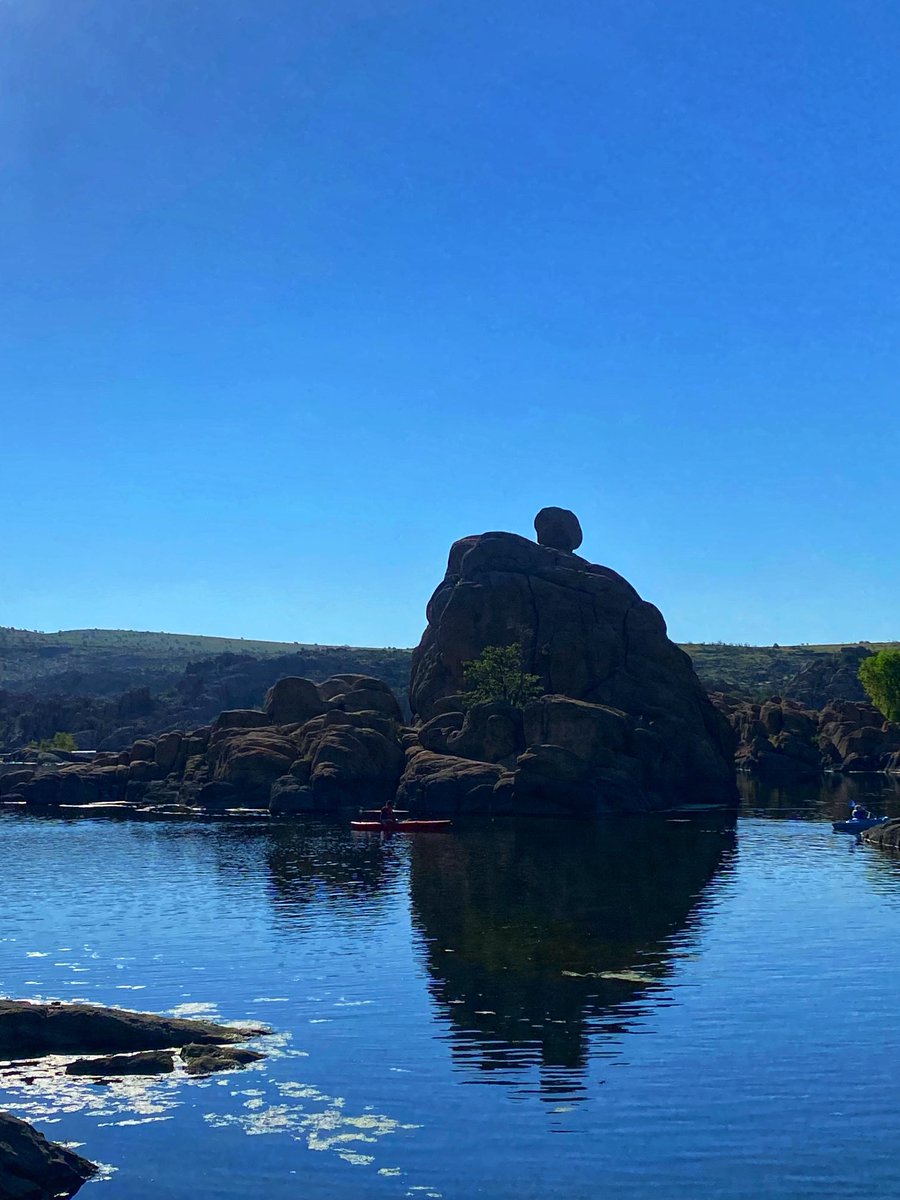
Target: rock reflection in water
(323,864)
(535,932)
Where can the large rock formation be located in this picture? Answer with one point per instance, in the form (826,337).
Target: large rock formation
(624,723)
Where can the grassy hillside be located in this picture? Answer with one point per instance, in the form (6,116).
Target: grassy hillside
(108,661)
(758,670)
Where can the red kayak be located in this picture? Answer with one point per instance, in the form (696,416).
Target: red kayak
(400,826)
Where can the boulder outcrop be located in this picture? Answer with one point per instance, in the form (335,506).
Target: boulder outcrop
(32,1168)
(885,837)
(780,741)
(29,1030)
(624,723)
(144,1062)
(315,748)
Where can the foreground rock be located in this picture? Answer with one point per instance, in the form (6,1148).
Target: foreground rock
(625,724)
(31,1168)
(30,1030)
(885,837)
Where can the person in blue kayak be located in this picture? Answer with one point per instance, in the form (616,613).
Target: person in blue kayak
(860,812)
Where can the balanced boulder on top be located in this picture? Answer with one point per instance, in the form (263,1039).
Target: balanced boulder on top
(558,528)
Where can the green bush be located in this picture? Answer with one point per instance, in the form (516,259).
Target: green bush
(59,741)
(498,673)
(880,676)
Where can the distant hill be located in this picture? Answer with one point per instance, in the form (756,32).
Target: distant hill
(108,686)
(757,672)
(105,662)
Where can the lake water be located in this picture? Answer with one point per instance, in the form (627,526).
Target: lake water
(677,1008)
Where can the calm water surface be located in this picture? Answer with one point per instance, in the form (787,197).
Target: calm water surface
(671,1008)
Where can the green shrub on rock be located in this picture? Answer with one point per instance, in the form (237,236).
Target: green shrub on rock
(498,673)
(59,741)
(880,676)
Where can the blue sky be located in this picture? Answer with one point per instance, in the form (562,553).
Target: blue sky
(295,294)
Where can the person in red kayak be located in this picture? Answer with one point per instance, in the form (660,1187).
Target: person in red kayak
(386,816)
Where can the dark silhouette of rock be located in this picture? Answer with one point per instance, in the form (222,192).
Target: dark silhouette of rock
(353,758)
(205,1060)
(361,693)
(644,734)
(885,837)
(145,1062)
(32,1168)
(251,760)
(558,528)
(490,732)
(241,718)
(30,1030)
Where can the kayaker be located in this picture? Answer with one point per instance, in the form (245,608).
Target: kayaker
(386,816)
(860,813)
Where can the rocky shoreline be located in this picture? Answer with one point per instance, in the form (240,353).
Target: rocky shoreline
(120,1043)
(781,741)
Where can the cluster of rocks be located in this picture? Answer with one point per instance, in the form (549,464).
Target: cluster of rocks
(623,725)
(311,748)
(781,740)
(205,688)
(121,1043)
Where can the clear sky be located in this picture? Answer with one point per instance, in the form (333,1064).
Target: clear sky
(294,294)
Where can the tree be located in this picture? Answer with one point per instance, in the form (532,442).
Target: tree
(59,741)
(498,673)
(880,676)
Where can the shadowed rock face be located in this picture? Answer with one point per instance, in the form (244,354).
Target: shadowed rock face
(31,1168)
(644,733)
(781,741)
(885,837)
(533,934)
(29,1030)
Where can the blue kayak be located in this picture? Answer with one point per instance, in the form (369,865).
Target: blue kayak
(853,826)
